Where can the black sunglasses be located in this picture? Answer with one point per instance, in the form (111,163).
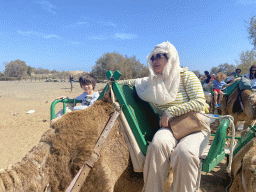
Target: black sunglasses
(253,70)
(158,56)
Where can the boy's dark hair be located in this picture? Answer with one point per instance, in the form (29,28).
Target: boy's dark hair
(206,72)
(87,79)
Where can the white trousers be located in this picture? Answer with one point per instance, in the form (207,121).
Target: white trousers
(183,156)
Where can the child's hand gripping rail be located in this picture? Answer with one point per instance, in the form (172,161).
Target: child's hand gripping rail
(64,101)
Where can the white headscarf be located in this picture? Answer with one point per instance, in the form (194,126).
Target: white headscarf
(161,89)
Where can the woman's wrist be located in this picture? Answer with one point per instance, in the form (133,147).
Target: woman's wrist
(168,114)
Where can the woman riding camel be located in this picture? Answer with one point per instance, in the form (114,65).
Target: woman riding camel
(252,76)
(173,91)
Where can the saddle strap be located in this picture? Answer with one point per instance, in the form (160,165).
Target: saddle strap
(80,177)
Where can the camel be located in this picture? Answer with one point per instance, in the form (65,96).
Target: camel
(244,162)
(231,106)
(52,164)
(244,167)
(62,151)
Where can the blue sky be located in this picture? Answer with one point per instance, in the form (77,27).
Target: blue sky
(72,35)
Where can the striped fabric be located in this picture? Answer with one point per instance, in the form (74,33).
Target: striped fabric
(193,100)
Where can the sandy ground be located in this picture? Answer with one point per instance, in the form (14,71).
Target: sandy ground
(20,131)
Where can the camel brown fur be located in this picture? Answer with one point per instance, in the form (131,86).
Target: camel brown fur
(76,135)
(31,173)
(247,172)
(230,106)
(52,164)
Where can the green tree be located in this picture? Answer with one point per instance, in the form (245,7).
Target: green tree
(214,70)
(15,68)
(30,70)
(41,71)
(252,31)
(130,67)
(246,60)
(227,68)
(197,73)
(224,68)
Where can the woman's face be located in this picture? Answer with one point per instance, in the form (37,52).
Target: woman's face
(158,63)
(253,70)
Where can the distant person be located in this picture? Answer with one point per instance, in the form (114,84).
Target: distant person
(230,78)
(88,97)
(238,73)
(71,79)
(252,76)
(218,84)
(213,77)
(206,78)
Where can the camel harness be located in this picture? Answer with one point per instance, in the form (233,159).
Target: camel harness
(80,177)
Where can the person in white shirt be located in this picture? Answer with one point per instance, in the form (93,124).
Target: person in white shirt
(88,97)
(252,76)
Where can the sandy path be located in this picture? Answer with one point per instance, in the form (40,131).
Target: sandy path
(19,133)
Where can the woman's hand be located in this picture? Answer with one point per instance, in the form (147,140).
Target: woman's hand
(164,120)
(61,97)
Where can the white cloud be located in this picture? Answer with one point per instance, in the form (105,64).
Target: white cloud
(125,36)
(78,24)
(25,33)
(75,42)
(81,23)
(46,5)
(111,24)
(122,36)
(37,34)
(50,36)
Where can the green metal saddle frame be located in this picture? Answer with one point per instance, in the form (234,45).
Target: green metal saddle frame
(143,121)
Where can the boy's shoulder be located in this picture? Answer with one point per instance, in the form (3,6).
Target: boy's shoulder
(96,94)
(80,97)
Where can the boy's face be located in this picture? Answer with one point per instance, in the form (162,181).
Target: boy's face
(87,88)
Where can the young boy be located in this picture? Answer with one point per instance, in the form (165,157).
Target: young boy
(88,97)
(218,84)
